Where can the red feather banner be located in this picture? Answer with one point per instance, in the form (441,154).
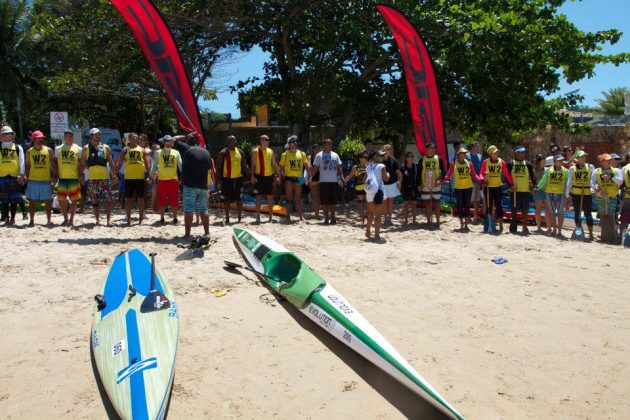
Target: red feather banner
(156,42)
(424,99)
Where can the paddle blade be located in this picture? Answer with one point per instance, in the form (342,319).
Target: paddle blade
(626,239)
(578,234)
(155,301)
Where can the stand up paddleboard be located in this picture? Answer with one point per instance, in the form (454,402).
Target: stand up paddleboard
(134,337)
(314,297)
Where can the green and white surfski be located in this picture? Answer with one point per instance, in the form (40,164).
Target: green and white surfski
(293,279)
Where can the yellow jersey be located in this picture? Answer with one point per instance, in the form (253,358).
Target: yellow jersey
(40,164)
(293,163)
(68,161)
(10,161)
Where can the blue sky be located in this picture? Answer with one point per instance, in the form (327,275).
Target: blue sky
(587,15)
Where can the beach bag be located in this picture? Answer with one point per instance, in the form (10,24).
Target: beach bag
(371,183)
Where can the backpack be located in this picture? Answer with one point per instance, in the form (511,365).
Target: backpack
(371,182)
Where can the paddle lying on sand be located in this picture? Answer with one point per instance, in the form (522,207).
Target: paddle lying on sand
(578,232)
(155,300)
(307,291)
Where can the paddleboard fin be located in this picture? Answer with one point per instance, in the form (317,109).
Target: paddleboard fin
(132,293)
(100,302)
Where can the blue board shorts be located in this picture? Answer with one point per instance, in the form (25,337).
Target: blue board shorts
(195,200)
(39,190)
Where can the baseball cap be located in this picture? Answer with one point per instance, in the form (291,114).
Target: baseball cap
(7,130)
(580,153)
(430,146)
(462,150)
(605,156)
(93,131)
(38,135)
(520,149)
(166,138)
(68,132)
(615,156)
(492,149)
(380,153)
(558,157)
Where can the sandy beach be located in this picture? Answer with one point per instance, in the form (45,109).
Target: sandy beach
(545,335)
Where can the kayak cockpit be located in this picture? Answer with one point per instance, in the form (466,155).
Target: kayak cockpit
(296,281)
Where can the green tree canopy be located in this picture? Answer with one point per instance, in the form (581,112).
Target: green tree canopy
(614,100)
(335,62)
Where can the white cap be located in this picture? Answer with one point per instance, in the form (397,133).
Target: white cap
(549,161)
(94,131)
(7,130)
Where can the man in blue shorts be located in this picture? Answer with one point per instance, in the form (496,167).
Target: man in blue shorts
(196,162)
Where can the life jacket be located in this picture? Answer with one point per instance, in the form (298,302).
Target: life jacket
(520,175)
(430,164)
(607,185)
(40,164)
(494,170)
(581,180)
(555,180)
(9,161)
(463,175)
(232,164)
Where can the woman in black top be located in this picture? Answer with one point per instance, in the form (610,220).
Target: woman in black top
(409,186)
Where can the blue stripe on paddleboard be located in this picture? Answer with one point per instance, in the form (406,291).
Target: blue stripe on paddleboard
(115,286)
(140,267)
(138,396)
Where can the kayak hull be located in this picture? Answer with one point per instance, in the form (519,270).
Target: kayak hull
(333,313)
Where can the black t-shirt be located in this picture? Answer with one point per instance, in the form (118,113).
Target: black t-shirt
(409,176)
(195,165)
(391,166)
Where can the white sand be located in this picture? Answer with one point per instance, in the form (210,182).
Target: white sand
(544,336)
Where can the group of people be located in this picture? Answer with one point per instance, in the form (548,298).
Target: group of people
(89,172)
(179,165)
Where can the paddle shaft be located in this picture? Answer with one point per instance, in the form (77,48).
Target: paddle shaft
(152,255)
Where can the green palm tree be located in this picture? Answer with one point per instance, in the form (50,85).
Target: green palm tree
(614,100)
(16,41)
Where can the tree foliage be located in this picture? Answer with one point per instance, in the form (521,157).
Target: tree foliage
(335,62)
(614,100)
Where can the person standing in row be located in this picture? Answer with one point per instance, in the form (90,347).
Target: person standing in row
(95,158)
(293,162)
(624,218)
(431,170)
(313,183)
(605,183)
(358,174)
(465,177)
(166,164)
(524,180)
(68,161)
(41,175)
(231,166)
(491,170)
(539,194)
(474,156)
(391,187)
(579,191)
(196,163)
(409,189)
(264,172)
(554,182)
(329,167)
(12,169)
(137,163)
(376,175)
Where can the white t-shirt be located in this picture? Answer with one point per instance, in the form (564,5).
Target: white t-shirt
(328,163)
(377,168)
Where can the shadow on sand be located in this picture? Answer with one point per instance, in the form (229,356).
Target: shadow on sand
(407,402)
